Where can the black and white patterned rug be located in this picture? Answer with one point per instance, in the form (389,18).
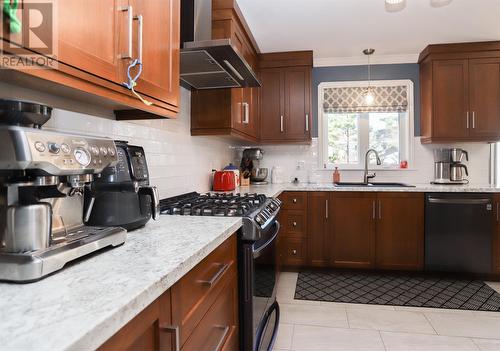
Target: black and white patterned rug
(397,290)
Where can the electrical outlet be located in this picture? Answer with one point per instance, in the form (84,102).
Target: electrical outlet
(301,165)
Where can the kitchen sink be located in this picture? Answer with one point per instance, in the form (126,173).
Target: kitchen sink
(380,185)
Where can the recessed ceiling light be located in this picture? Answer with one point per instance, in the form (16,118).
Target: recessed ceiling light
(395,5)
(440,3)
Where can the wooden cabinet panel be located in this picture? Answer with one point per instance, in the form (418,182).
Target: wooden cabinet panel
(496,235)
(193,294)
(485,97)
(450,99)
(88,33)
(161,40)
(293,223)
(294,200)
(297,103)
(293,251)
(145,332)
(272,104)
(318,240)
(400,231)
(353,229)
(218,324)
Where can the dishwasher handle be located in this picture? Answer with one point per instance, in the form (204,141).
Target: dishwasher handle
(458,201)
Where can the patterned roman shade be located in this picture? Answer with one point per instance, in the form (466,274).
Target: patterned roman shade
(351,99)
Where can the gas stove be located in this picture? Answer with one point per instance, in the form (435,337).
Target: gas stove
(258,210)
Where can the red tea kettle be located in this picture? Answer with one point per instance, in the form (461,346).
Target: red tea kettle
(224,181)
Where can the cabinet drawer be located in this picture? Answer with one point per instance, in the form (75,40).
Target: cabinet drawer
(294,200)
(293,223)
(197,290)
(293,251)
(216,328)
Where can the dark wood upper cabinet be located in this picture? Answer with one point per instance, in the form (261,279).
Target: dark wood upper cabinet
(459,86)
(353,229)
(93,37)
(95,54)
(272,102)
(285,96)
(484,93)
(400,231)
(318,240)
(451,98)
(160,51)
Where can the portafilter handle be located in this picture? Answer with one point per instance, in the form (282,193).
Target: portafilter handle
(155,199)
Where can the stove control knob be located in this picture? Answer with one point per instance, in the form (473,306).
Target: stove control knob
(111,152)
(273,206)
(260,219)
(104,151)
(65,148)
(95,150)
(39,146)
(54,148)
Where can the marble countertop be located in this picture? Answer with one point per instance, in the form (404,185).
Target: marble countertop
(86,303)
(276,189)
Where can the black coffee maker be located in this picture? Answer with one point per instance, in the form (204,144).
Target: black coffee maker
(121,195)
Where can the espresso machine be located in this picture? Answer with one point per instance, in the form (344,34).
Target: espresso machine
(449,167)
(43,178)
(250,165)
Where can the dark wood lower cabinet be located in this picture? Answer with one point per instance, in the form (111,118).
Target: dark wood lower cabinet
(146,331)
(201,309)
(318,229)
(400,231)
(353,229)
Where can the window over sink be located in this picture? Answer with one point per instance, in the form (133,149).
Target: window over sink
(350,123)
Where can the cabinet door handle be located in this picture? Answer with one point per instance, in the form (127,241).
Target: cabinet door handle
(175,331)
(473,119)
(326,209)
(373,209)
(140,19)
(307,122)
(130,18)
(221,340)
(467,119)
(223,268)
(498,219)
(379,209)
(281,123)
(246,113)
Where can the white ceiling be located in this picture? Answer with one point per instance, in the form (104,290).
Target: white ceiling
(338,30)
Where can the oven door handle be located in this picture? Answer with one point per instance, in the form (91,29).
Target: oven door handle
(258,252)
(274,307)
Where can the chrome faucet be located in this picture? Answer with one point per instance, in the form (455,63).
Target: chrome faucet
(367,176)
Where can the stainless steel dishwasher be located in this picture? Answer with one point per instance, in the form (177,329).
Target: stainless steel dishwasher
(458,230)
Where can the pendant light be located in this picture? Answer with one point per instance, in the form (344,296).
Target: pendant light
(368,95)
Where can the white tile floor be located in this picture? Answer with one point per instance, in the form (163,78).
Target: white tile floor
(325,326)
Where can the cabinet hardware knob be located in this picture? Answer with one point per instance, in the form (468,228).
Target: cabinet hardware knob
(294,201)
(294,224)
(294,252)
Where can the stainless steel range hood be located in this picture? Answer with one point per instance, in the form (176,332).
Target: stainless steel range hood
(207,63)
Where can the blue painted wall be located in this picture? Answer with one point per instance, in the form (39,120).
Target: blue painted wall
(378,72)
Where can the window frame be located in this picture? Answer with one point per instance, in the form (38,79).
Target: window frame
(323,131)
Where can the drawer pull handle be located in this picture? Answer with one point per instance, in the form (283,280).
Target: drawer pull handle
(223,268)
(294,201)
(294,252)
(175,331)
(294,224)
(223,338)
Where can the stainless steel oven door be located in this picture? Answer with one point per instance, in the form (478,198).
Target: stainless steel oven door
(264,289)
